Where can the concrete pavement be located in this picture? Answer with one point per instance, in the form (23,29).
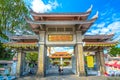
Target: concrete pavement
(70,77)
(52,74)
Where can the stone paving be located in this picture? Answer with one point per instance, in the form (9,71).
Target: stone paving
(67,75)
(70,77)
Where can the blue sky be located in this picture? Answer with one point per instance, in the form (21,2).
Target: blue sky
(108,19)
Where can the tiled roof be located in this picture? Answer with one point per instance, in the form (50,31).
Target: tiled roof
(21,44)
(24,37)
(34,44)
(98,36)
(85,37)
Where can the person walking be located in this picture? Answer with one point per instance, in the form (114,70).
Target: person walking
(59,70)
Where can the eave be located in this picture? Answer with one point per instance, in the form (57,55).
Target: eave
(97,38)
(31,37)
(60,22)
(55,16)
(101,44)
(21,44)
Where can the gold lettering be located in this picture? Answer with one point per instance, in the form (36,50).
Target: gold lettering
(60,37)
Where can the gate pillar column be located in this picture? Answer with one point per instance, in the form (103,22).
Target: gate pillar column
(41,55)
(20,63)
(80,60)
(102,63)
(79,54)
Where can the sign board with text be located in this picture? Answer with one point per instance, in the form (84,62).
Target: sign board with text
(60,37)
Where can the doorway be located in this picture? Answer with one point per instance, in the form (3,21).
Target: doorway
(60,56)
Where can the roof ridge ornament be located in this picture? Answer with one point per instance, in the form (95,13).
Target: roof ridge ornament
(89,10)
(96,15)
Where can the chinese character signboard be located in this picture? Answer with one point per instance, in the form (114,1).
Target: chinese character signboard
(60,37)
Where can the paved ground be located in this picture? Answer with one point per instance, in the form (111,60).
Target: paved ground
(70,77)
(67,75)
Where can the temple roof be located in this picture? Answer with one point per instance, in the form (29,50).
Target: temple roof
(93,46)
(24,37)
(79,20)
(87,38)
(97,38)
(61,16)
(35,44)
(100,43)
(21,44)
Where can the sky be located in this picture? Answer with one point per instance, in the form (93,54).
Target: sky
(70,49)
(108,21)
(108,18)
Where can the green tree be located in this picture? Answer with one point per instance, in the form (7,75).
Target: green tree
(12,17)
(115,50)
(5,53)
(32,57)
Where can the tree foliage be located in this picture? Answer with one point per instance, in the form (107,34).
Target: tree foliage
(32,57)
(115,51)
(12,16)
(5,53)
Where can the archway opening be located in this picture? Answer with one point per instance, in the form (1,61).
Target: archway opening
(60,57)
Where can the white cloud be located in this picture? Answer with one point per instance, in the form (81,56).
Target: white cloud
(101,25)
(40,7)
(104,30)
(114,27)
(95,31)
(88,33)
(101,29)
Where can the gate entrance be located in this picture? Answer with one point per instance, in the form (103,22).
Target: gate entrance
(59,57)
(61,29)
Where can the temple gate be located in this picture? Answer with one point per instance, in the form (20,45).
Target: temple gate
(61,29)
(66,29)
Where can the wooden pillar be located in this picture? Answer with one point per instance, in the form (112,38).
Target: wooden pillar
(41,55)
(20,63)
(80,55)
